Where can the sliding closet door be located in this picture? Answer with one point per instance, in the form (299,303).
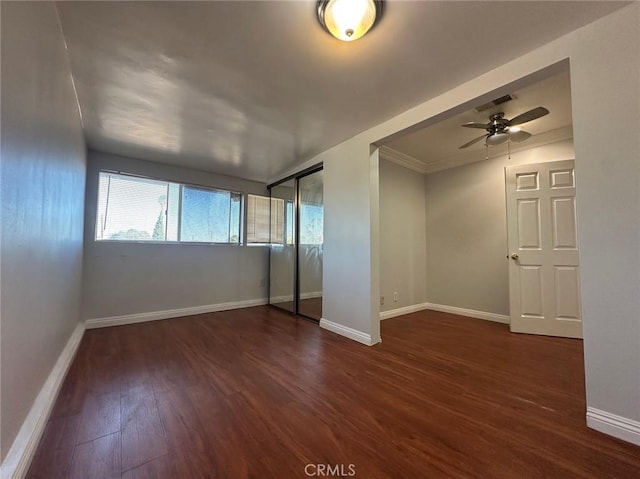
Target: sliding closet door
(310,240)
(282,249)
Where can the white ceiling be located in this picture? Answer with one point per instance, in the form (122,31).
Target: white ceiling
(436,147)
(251,88)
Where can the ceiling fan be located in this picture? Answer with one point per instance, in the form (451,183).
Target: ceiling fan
(499,129)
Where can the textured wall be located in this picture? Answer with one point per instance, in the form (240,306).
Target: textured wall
(43,178)
(403,232)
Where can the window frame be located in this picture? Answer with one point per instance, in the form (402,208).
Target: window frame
(181,184)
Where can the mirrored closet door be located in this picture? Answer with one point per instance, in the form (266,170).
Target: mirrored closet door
(296,247)
(311,220)
(282,255)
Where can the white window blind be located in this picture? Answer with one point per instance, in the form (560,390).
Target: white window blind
(265,220)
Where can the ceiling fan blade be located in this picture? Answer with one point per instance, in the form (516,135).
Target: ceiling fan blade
(529,116)
(474,124)
(476,140)
(519,136)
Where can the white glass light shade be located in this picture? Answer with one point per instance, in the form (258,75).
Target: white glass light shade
(348,20)
(497,138)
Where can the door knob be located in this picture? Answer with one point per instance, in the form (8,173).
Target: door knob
(514,256)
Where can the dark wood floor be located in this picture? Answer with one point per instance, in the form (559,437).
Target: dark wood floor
(257,393)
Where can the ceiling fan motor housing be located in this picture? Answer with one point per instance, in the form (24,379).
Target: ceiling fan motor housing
(498,123)
(497,130)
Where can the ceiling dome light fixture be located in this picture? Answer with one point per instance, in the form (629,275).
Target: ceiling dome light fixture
(348,20)
(497,138)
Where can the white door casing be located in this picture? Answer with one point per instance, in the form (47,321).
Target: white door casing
(544,284)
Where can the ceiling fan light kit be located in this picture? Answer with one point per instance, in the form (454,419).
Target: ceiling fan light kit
(497,138)
(500,130)
(348,20)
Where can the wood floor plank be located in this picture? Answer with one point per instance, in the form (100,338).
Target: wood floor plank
(143,436)
(73,392)
(259,393)
(102,359)
(53,457)
(100,416)
(180,421)
(97,459)
(160,467)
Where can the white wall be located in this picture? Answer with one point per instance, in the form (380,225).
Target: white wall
(122,278)
(605,84)
(350,281)
(43,179)
(467,230)
(403,236)
(605,74)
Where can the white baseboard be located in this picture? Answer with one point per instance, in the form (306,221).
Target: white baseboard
(402,311)
(347,332)
(19,457)
(471,313)
(171,313)
(614,425)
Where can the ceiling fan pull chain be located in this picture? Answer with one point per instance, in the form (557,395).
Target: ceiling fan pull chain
(486,149)
(509,148)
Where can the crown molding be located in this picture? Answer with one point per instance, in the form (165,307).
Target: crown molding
(402,159)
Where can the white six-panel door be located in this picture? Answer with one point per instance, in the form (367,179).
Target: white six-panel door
(544,286)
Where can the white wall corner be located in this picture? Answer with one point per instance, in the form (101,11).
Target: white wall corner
(350,333)
(16,463)
(171,313)
(614,425)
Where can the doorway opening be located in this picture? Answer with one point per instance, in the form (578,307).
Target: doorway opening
(444,241)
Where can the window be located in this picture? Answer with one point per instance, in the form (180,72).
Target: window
(265,220)
(132,208)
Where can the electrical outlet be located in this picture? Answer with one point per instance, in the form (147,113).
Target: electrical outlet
(381,300)
(395,296)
